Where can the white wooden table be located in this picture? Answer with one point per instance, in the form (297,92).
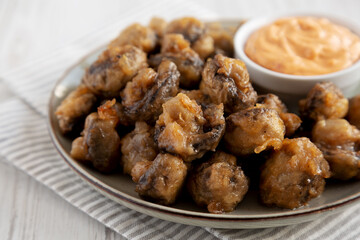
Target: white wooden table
(32,28)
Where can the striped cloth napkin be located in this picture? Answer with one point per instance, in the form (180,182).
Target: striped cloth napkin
(24,142)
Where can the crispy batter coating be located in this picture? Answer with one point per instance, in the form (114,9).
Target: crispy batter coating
(292,121)
(136,89)
(162,180)
(100,142)
(139,169)
(226,80)
(118,109)
(253,130)
(113,69)
(136,35)
(198,96)
(158,25)
(344,164)
(185,129)
(336,133)
(218,183)
(194,31)
(293,175)
(354,111)
(339,141)
(181,118)
(204,46)
(176,49)
(272,101)
(138,145)
(191,28)
(144,95)
(74,107)
(324,101)
(213,130)
(222,37)
(79,149)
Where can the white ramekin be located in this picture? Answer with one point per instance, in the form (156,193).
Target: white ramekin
(287,86)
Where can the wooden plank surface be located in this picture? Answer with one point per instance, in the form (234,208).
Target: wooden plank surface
(33,28)
(28,210)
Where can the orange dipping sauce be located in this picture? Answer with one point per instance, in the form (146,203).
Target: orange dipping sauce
(303,46)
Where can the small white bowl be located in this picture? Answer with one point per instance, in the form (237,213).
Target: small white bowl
(293,87)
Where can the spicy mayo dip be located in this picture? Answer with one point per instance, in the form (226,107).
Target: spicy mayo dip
(303,46)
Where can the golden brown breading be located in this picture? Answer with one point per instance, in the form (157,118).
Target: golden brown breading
(138,145)
(136,35)
(100,143)
(113,69)
(226,80)
(74,107)
(293,175)
(162,180)
(177,49)
(339,141)
(253,130)
(218,183)
(185,129)
(324,101)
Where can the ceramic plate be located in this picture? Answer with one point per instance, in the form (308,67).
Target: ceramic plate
(249,213)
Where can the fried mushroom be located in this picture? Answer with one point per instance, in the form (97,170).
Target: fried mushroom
(100,142)
(158,25)
(198,96)
(293,175)
(253,130)
(187,130)
(340,143)
(204,46)
(354,111)
(219,184)
(136,35)
(138,145)
(222,38)
(136,89)
(113,69)
(226,80)
(191,28)
(74,107)
(272,101)
(139,169)
(144,95)
(325,100)
(195,32)
(292,121)
(177,49)
(161,180)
